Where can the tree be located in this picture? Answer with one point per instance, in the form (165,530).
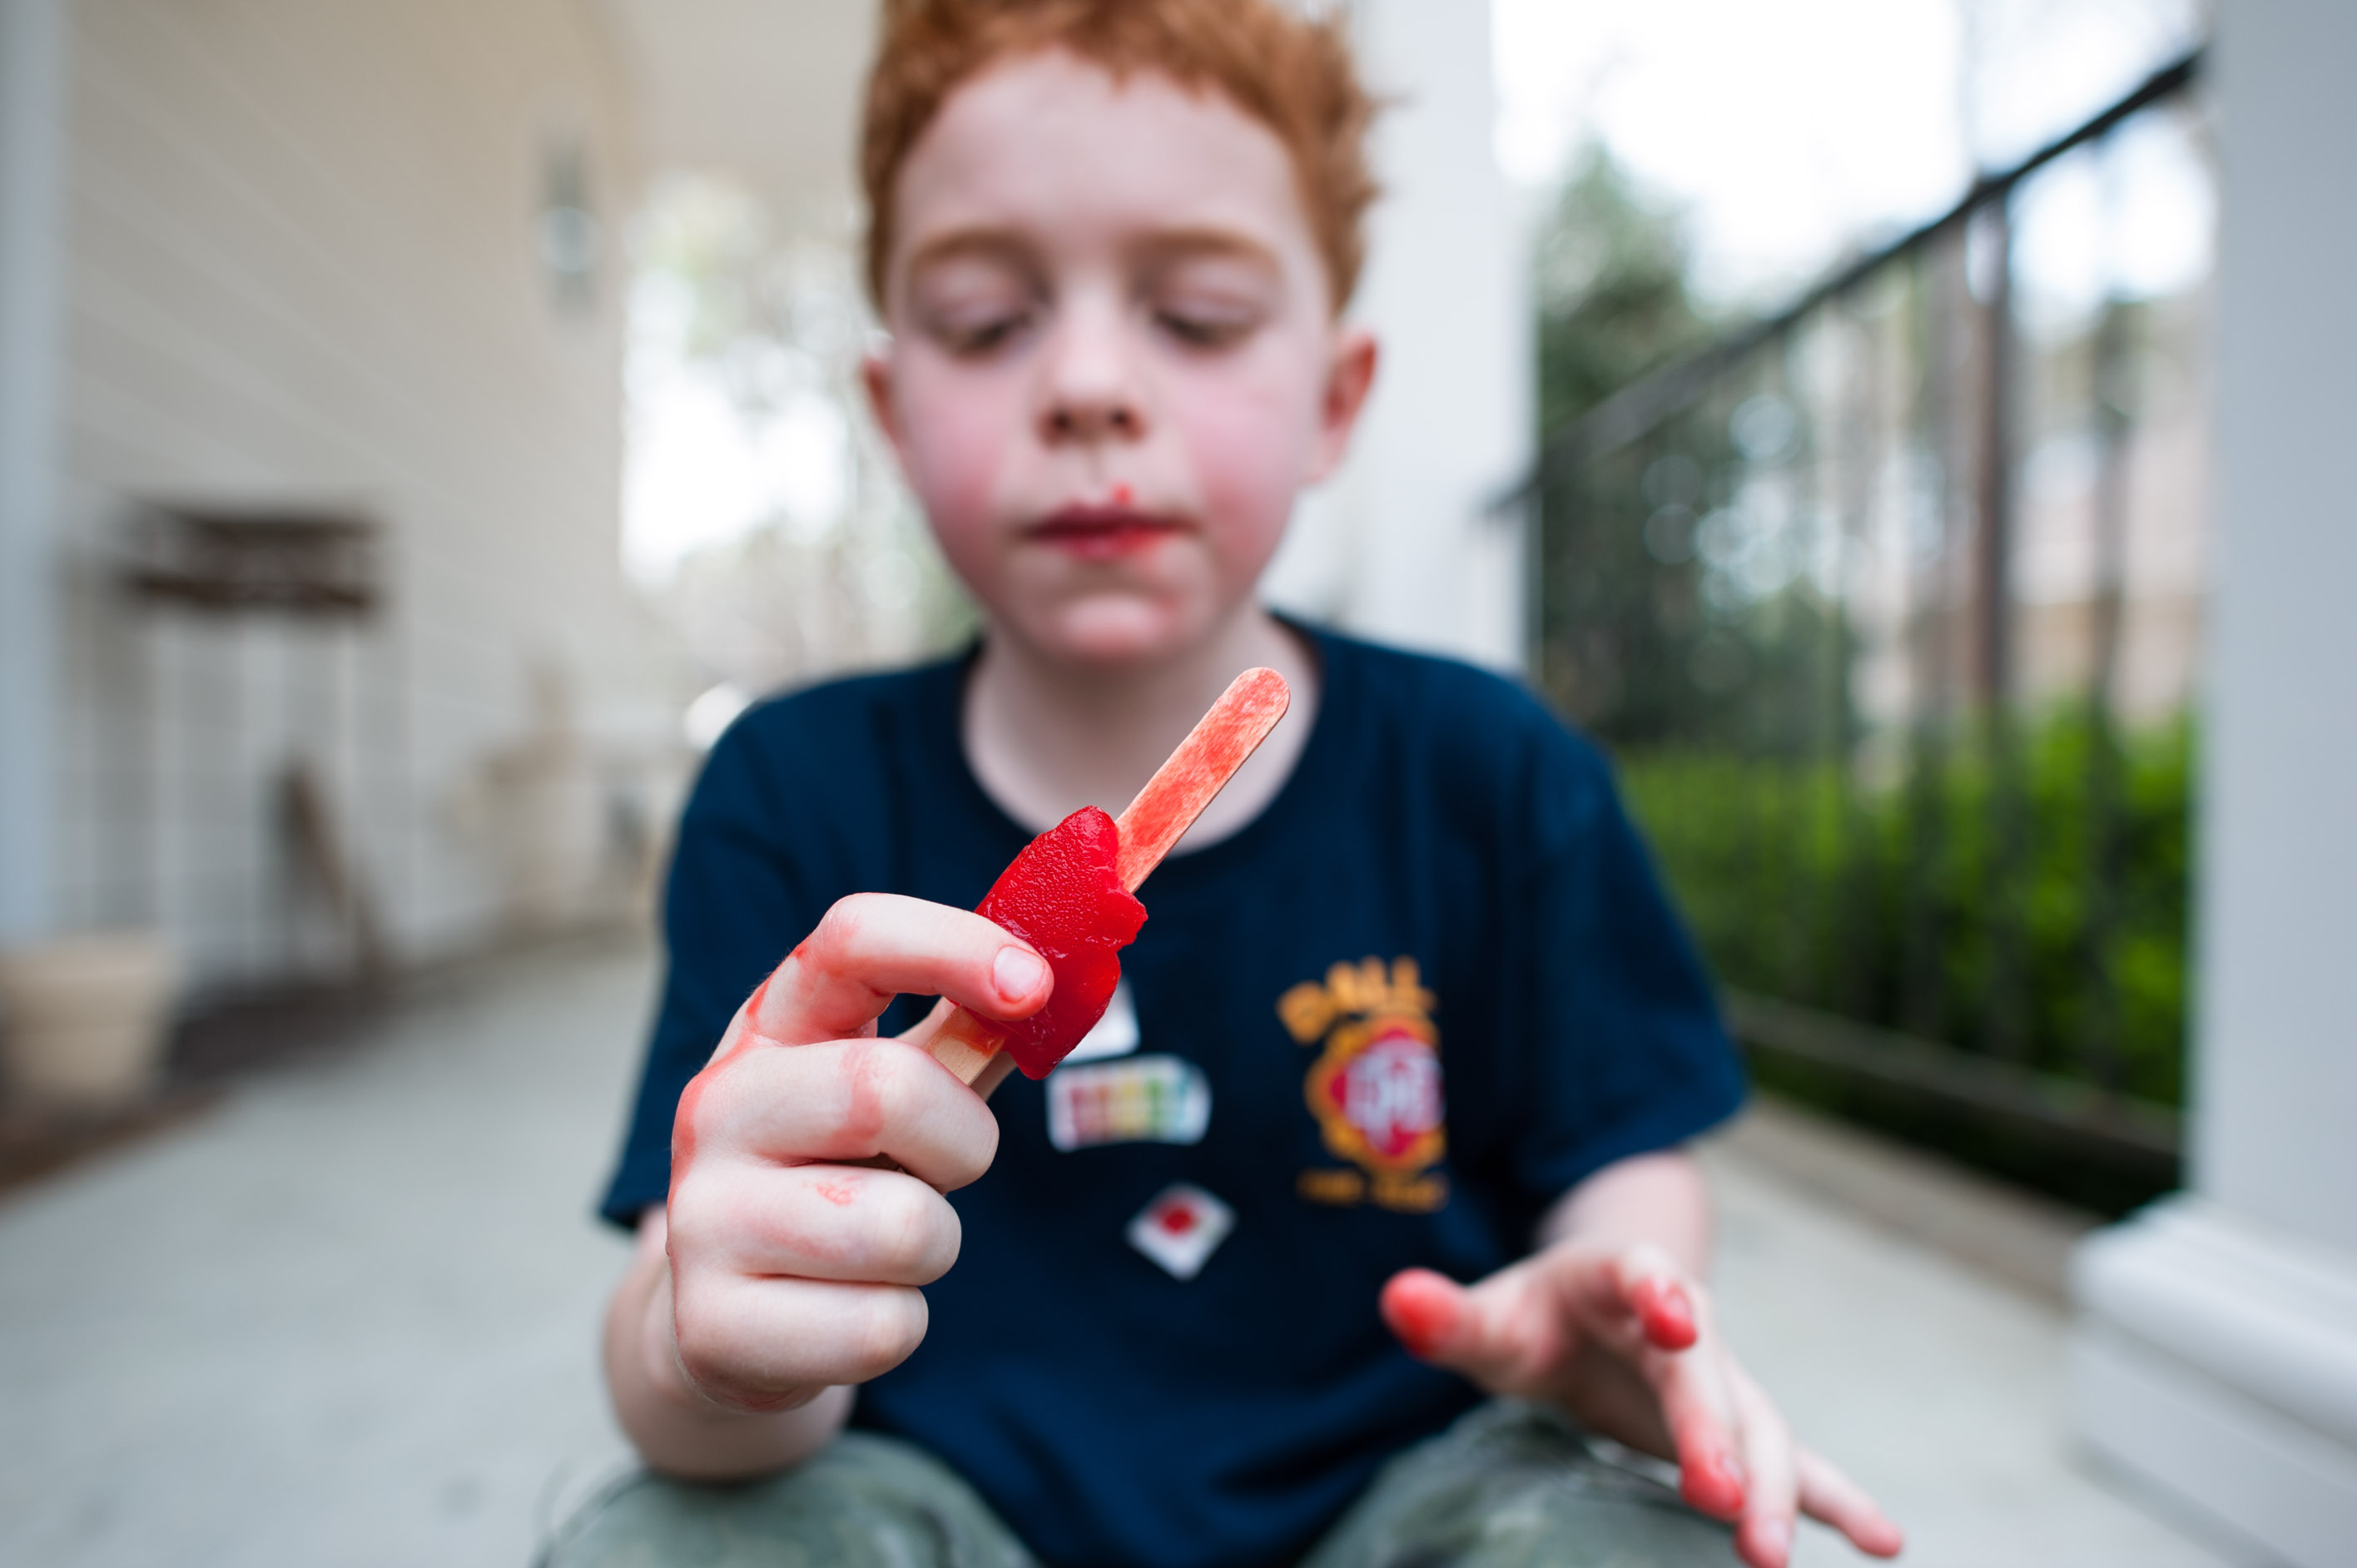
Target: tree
(1613,299)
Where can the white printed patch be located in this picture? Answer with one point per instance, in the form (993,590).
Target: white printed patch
(1142,1100)
(1114,1035)
(1182,1228)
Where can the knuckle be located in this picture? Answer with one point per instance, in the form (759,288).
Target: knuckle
(976,1153)
(703,1350)
(846,924)
(891,1324)
(916,1232)
(690,1213)
(873,1080)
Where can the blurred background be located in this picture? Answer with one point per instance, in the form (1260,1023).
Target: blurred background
(1906,432)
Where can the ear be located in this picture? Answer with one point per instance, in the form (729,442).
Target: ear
(1347,382)
(875,377)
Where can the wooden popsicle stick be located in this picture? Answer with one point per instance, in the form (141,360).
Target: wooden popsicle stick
(1200,767)
(966,1043)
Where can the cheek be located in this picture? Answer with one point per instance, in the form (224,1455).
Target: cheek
(956,439)
(1252,439)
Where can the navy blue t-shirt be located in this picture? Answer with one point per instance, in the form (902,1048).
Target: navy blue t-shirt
(1431,987)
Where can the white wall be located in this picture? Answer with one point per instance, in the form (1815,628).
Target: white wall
(304,268)
(1397,545)
(2216,1351)
(2276,1068)
(32,150)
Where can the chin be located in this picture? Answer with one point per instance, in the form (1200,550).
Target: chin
(1117,630)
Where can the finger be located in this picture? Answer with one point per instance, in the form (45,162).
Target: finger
(1698,1405)
(1833,1498)
(839,1101)
(1637,1297)
(766,1344)
(820,1222)
(1421,1308)
(1657,1293)
(871,947)
(1639,1302)
(1497,1333)
(1764,1537)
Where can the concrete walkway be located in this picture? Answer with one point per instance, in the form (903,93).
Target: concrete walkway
(349,1319)
(1938,1384)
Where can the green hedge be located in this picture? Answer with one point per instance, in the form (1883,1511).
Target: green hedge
(1897,904)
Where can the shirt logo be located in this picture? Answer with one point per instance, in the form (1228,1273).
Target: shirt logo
(1375,1085)
(1182,1228)
(1134,1099)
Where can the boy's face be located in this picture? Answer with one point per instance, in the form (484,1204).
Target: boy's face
(1114,359)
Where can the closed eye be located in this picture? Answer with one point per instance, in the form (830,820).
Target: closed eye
(977,339)
(1206,329)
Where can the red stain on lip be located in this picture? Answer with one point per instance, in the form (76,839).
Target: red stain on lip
(1103,533)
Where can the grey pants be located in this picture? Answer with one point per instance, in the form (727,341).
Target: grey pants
(1509,1485)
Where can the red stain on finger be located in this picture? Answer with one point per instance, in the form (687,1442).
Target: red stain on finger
(1420,1307)
(842,1197)
(1710,1481)
(682,1129)
(1666,1312)
(753,1013)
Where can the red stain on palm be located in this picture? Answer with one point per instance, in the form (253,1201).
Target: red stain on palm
(1420,1307)
(1667,1312)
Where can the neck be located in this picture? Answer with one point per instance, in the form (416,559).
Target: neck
(1046,737)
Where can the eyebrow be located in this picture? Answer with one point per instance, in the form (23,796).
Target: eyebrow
(1184,245)
(985,244)
(1160,246)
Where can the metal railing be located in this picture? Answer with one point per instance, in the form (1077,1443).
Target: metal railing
(1888,602)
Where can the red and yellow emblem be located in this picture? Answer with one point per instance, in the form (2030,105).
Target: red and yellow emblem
(1375,1085)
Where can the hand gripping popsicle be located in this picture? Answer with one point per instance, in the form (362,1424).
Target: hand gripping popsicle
(1069,893)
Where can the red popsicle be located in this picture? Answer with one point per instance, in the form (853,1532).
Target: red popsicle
(1063,897)
(1067,894)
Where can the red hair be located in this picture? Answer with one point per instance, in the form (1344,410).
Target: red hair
(1294,75)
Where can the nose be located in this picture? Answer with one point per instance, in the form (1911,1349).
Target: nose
(1090,392)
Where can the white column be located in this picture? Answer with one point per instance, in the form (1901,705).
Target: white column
(2217,1347)
(32,154)
(1399,546)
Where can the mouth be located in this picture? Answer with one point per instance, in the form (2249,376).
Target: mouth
(1102,532)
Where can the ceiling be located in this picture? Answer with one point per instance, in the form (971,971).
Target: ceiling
(766,91)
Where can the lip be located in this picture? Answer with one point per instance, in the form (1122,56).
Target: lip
(1102,532)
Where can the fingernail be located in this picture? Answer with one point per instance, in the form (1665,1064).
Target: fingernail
(1018,973)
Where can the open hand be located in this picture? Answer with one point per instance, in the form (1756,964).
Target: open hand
(1622,1340)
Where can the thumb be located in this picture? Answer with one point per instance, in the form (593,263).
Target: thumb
(1484,1332)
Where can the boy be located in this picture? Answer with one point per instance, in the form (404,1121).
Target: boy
(1111,240)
